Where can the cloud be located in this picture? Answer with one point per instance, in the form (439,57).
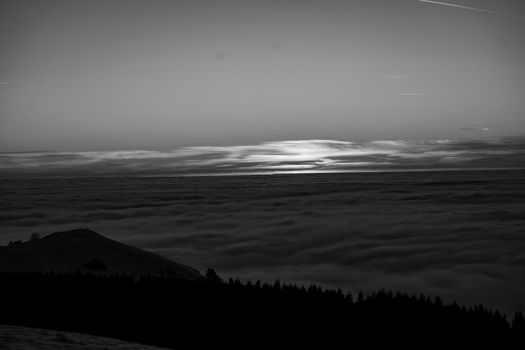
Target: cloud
(274,157)
(143,43)
(462,7)
(392,76)
(475,129)
(415,94)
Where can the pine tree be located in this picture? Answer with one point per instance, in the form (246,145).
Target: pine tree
(212,275)
(518,324)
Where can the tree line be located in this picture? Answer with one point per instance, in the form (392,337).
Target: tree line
(176,313)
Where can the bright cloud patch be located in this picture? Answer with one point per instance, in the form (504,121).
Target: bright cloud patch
(272,157)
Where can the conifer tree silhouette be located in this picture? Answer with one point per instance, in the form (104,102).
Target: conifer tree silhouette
(518,326)
(143,310)
(212,275)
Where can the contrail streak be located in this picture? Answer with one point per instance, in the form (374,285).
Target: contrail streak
(414,94)
(462,7)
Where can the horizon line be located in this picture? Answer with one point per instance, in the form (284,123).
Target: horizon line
(265,173)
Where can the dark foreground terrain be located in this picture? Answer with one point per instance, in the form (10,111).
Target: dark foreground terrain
(188,310)
(88,251)
(208,313)
(22,338)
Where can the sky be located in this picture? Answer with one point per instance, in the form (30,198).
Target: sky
(101,76)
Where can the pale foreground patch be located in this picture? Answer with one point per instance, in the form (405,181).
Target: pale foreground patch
(21,338)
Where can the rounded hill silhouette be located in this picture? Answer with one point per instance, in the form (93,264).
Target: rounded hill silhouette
(88,251)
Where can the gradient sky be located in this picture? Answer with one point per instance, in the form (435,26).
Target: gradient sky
(160,75)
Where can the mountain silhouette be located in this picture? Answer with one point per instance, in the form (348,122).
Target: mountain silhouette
(88,251)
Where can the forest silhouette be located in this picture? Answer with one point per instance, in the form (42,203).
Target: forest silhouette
(212,313)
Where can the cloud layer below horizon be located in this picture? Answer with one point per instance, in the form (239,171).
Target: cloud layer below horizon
(300,156)
(457,234)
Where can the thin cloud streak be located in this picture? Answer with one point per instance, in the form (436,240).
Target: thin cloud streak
(140,43)
(463,7)
(415,94)
(475,129)
(392,76)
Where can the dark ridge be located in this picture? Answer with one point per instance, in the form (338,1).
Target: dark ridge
(76,233)
(86,250)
